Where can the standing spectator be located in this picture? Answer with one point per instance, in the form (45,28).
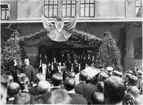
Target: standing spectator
(43,87)
(109,70)
(12,90)
(140,81)
(114,90)
(29,70)
(58,96)
(34,90)
(24,84)
(23,98)
(83,88)
(9,79)
(56,81)
(97,98)
(69,85)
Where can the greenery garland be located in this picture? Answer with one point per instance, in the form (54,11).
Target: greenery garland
(107,54)
(11,51)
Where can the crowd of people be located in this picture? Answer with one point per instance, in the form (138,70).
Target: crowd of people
(108,86)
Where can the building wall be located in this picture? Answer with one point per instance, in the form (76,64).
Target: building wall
(32,9)
(133,33)
(13,8)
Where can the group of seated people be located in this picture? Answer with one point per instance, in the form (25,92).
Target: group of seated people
(109,87)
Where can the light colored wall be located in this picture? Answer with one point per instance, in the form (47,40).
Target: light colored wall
(130,8)
(30,9)
(110,9)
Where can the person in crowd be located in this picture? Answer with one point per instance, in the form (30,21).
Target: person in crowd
(133,90)
(75,64)
(109,70)
(132,83)
(114,90)
(83,88)
(44,68)
(39,77)
(23,98)
(65,74)
(29,70)
(72,75)
(12,90)
(34,90)
(3,94)
(9,79)
(58,96)
(140,81)
(56,81)
(69,85)
(100,87)
(117,73)
(43,87)
(20,76)
(129,99)
(55,63)
(16,70)
(24,84)
(97,98)
(103,76)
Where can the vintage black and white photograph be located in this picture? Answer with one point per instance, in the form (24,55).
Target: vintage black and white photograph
(71,52)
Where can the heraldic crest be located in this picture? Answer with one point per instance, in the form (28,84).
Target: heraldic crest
(59,31)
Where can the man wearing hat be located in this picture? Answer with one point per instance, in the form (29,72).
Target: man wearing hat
(109,70)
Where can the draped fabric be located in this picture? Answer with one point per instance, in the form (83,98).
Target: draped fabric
(59,31)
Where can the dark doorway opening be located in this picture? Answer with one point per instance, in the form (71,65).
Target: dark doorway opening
(61,53)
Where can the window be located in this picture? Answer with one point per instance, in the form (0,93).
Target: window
(139,8)
(69,8)
(138,48)
(87,8)
(5,11)
(50,8)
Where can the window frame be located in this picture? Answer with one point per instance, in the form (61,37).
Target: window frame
(136,6)
(48,5)
(7,17)
(71,10)
(84,5)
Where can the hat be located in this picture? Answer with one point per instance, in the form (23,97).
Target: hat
(117,73)
(109,69)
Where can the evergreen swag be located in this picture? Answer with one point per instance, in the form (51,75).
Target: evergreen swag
(108,53)
(11,51)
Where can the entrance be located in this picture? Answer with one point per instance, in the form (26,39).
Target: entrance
(61,54)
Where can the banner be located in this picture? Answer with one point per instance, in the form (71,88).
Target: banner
(59,31)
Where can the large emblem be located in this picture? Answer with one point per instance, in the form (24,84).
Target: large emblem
(59,31)
(59,25)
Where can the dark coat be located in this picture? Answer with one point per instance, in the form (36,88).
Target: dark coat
(29,71)
(77,98)
(85,90)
